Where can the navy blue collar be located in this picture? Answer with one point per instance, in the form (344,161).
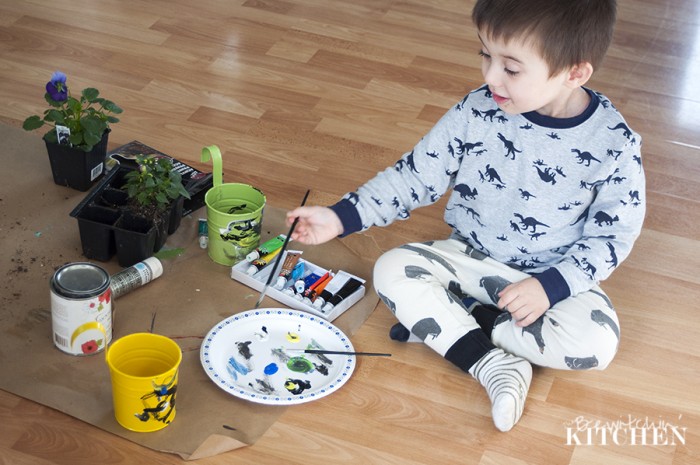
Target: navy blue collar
(565,123)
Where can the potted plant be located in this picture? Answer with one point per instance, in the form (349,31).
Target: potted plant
(153,210)
(77,141)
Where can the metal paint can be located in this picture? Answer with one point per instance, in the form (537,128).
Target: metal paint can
(81,308)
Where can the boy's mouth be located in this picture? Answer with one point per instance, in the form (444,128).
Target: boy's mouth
(499,99)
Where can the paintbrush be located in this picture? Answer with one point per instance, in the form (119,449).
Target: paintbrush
(336,352)
(279,255)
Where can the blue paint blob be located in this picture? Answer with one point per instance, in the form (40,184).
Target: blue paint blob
(271,369)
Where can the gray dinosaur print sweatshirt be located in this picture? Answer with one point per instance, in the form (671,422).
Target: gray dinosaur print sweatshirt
(561,199)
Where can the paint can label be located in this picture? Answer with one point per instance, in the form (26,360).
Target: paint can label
(81,309)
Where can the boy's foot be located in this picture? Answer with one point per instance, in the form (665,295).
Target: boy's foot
(400,333)
(507,379)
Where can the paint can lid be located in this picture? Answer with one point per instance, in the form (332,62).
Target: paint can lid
(77,280)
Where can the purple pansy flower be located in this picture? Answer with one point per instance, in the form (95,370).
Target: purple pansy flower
(57,88)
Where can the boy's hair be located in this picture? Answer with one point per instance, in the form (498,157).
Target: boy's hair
(566,32)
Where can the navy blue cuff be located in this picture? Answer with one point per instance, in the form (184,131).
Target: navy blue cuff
(554,284)
(348,215)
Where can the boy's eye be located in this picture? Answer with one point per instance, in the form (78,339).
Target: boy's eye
(510,72)
(484,54)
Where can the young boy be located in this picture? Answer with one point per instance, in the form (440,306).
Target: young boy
(546,199)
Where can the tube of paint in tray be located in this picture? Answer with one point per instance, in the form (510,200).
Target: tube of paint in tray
(300,285)
(338,281)
(203,233)
(316,283)
(290,261)
(313,293)
(297,273)
(351,286)
(135,276)
(266,247)
(260,263)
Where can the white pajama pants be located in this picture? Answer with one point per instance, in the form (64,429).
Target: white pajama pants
(433,288)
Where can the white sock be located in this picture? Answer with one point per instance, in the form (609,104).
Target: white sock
(507,379)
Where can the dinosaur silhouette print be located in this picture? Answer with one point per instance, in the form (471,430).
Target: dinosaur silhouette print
(613,256)
(509,146)
(614,153)
(626,132)
(463,148)
(536,330)
(586,267)
(581,363)
(584,157)
(493,285)
(470,211)
(602,319)
(525,195)
(431,257)
(410,163)
(547,174)
(426,327)
(491,175)
(476,240)
(416,272)
(465,192)
(485,114)
(388,302)
(601,218)
(529,222)
(554,136)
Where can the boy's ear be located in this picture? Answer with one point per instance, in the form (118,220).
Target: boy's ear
(579,74)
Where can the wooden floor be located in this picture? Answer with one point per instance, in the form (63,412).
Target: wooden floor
(322,94)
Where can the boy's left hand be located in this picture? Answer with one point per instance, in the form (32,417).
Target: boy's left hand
(525,300)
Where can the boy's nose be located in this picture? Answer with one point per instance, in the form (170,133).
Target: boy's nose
(491,76)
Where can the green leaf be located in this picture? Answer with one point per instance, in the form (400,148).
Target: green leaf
(55,116)
(31,123)
(90,94)
(91,139)
(112,120)
(51,101)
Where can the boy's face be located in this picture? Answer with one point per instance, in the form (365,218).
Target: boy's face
(519,79)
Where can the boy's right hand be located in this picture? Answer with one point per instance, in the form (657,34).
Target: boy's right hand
(316,225)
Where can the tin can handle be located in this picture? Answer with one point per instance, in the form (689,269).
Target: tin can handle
(214,154)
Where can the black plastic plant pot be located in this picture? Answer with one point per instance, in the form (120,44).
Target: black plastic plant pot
(96,226)
(135,238)
(113,198)
(76,168)
(176,210)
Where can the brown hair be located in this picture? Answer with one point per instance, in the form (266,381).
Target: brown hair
(566,32)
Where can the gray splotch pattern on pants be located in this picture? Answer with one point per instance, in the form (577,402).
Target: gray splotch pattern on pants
(424,285)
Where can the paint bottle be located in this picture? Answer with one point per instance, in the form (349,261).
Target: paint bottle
(338,281)
(290,261)
(81,308)
(266,247)
(203,233)
(351,286)
(136,276)
(260,263)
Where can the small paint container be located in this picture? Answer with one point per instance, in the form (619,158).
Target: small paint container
(81,308)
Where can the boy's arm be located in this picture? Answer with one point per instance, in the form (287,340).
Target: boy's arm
(613,223)
(419,178)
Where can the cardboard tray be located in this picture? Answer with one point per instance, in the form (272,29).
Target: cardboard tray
(257,282)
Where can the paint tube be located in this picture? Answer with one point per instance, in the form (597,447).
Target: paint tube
(317,288)
(316,283)
(351,286)
(261,263)
(203,233)
(301,284)
(266,247)
(297,273)
(288,265)
(338,281)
